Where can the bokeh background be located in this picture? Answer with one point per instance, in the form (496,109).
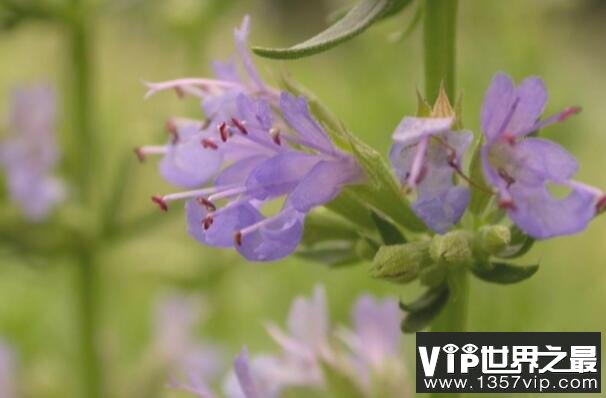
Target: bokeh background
(370,83)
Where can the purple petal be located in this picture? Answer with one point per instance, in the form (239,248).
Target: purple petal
(442,212)
(226,71)
(239,171)
(537,159)
(244,376)
(531,95)
(542,216)
(241,38)
(189,165)
(377,325)
(280,174)
(274,240)
(496,108)
(221,107)
(257,114)
(225,224)
(323,183)
(412,129)
(296,112)
(308,320)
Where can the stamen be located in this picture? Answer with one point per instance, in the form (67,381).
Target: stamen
(238,238)
(571,111)
(418,163)
(223,131)
(237,190)
(239,125)
(160,202)
(210,206)
(140,154)
(207,222)
(180,92)
(171,128)
(142,151)
(195,193)
(275,135)
(506,177)
(207,143)
(507,204)
(509,138)
(601,205)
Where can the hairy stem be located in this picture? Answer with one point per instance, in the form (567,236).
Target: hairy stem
(439,47)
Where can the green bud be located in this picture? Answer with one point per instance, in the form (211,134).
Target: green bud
(452,249)
(494,239)
(400,263)
(365,249)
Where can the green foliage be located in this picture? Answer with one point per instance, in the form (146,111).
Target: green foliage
(390,234)
(503,273)
(423,311)
(358,19)
(520,244)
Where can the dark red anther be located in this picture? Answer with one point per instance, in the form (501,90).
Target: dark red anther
(223,131)
(171,128)
(180,92)
(160,202)
(452,159)
(206,143)
(566,113)
(506,204)
(509,138)
(601,205)
(140,154)
(207,222)
(239,125)
(506,177)
(210,206)
(238,238)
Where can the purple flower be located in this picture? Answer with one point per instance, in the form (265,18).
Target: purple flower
(31,154)
(194,143)
(425,155)
(522,168)
(272,160)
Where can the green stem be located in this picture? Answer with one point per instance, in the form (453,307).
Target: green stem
(81,109)
(439,47)
(440,59)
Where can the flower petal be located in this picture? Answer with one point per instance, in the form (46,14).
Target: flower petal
(412,129)
(225,224)
(539,159)
(244,375)
(296,112)
(531,95)
(441,212)
(226,71)
(241,38)
(308,320)
(189,165)
(274,240)
(239,171)
(280,174)
(496,108)
(323,183)
(542,216)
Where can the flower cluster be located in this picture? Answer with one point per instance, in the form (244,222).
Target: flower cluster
(31,154)
(367,357)
(257,147)
(521,168)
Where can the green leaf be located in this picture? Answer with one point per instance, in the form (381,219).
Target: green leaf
(424,310)
(504,273)
(358,19)
(322,225)
(520,244)
(332,254)
(480,198)
(390,234)
(349,207)
(412,26)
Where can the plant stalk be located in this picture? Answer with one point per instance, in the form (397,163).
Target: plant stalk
(440,65)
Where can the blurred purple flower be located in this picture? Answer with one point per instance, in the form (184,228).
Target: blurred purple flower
(522,167)
(176,345)
(425,154)
(8,382)
(31,154)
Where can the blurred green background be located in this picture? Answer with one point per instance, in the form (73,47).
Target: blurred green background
(370,83)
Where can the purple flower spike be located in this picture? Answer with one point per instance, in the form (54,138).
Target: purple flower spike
(425,155)
(523,168)
(30,156)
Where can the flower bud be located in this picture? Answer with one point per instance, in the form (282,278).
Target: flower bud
(494,239)
(400,263)
(451,249)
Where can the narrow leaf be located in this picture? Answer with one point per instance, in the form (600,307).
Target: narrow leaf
(358,19)
(322,225)
(332,254)
(520,244)
(504,273)
(424,310)
(390,234)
